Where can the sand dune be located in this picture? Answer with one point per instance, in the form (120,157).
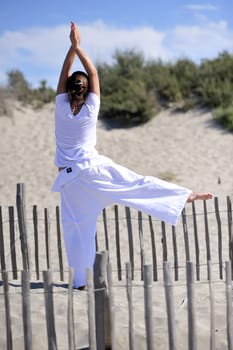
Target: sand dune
(188,149)
(185,148)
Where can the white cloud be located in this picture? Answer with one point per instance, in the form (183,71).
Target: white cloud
(203,7)
(45,48)
(102,41)
(199,12)
(39,52)
(203,41)
(40,44)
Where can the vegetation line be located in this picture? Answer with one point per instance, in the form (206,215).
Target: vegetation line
(133,91)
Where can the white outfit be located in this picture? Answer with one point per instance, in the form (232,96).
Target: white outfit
(91,182)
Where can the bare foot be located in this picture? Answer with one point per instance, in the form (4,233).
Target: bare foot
(201,196)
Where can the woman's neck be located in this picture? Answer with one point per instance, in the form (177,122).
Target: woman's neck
(76,105)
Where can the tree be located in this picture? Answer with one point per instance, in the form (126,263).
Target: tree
(19,86)
(44,94)
(125,94)
(22,91)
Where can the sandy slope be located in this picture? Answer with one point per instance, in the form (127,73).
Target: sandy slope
(184,148)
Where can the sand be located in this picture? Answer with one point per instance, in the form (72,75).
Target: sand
(186,148)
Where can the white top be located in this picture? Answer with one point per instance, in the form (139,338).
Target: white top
(75,134)
(76,139)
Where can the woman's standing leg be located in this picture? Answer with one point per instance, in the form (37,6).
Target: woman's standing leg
(79,216)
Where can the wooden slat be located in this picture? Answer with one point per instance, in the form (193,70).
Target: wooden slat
(217,214)
(169,305)
(9,339)
(59,244)
(2,247)
(141,242)
(100,296)
(49,308)
(130,305)
(70,313)
(207,235)
(96,242)
(47,238)
(12,241)
(192,335)
(26,310)
(91,311)
(36,241)
(148,302)
(186,236)
(130,238)
(105,229)
(164,241)
(175,252)
(230,231)
(21,211)
(118,248)
(153,247)
(197,249)
(229,308)
(113,345)
(212,310)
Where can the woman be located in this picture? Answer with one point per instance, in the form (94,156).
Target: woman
(87,181)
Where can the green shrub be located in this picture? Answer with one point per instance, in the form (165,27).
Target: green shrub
(215,81)
(22,91)
(133,91)
(130,104)
(185,72)
(162,82)
(43,94)
(125,97)
(224,116)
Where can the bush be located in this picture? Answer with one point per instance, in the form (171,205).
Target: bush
(43,94)
(185,72)
(224,116)
(133,91)
(130,104)
(126,98)
(162,82)
(215,81)
(22,91)
(19,87)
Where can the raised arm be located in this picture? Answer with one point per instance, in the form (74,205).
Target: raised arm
(85,60)
(65,71)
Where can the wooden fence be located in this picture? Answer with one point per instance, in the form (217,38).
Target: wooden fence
(33,241)
(103,322)
(135,254)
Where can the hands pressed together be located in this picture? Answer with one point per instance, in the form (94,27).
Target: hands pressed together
(74,36)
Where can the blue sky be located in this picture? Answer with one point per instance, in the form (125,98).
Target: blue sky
(34,36)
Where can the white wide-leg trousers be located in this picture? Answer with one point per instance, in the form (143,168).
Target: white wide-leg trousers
(94,188)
